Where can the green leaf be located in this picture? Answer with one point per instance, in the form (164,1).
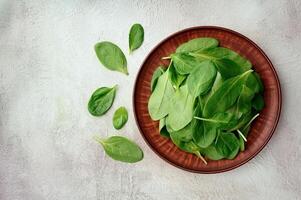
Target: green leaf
(157,73)
(243,104)
(120,117)
(253,83)
(101,100)
(183,140)
(211,153)
(227,145)
(197,44)
(204,138)
(220,120)
(241,140)
(184,134)
(217,83)
(111,56)
(175,78)
(181,109)
(259,81)
(162,128)
(228,68)
(201,79)
(244,119)
(188,145)
(121,149)
(202,132)
(258,102)
(159,101)
(222,53)
(225,96)
(184,63)
(136,37)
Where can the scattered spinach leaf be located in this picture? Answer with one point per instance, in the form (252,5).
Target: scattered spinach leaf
(101,100)
(120,117)
(121,149)
(111,56)
(136,37)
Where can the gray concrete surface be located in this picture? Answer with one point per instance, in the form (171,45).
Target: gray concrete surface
(48,70)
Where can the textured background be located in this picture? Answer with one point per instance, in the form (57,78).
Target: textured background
(48,70)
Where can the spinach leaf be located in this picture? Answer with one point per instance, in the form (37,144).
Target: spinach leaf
(136,37)
(157,73)
(188,146)
(101,100)
(204,137)
(159,101)
(201,79)
(228,68)
(258,102)
(184,63)
(181,109)
(203,133)
(227,145)
(120,117)
(221,52)
(244,101)
(162,128)
(259,81)
(183,134)
(211,153)
(225,96)
(243,120)
(253,83)
(111,56)
(175,78)
(220,120)
(241,140)
(121,149)
(197,44)
(217,83)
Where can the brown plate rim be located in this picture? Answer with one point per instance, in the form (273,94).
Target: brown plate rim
(278,91)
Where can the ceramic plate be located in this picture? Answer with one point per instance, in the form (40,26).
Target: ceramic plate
(262,128)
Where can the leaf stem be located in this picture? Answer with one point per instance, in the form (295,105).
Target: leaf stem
(166,58)
(218,133)
(242,135)
(255,116)
(98,139)
(209,120)
(201,157)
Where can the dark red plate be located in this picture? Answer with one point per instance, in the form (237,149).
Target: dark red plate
(262,128)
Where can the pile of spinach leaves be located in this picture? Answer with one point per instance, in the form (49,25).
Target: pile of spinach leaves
(206,99)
